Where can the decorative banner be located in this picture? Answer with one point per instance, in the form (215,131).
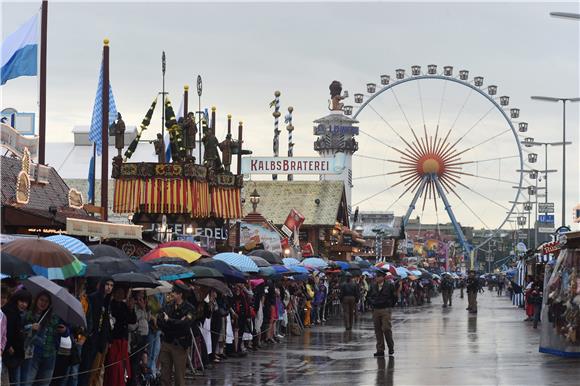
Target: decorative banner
(102,229)
(16,142)
(293,222)
(260,234)
(551,247)
(289,165)
(323,129)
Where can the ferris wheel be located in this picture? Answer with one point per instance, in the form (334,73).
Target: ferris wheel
(438,144)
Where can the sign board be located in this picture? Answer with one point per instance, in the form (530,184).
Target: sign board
(260,235)
(521,247)
(103,230)
(323,129)
(550,247)
(546,230)
(546,207)
(576,218)
(546,218)
(16,142)
(22,122)
(289,165)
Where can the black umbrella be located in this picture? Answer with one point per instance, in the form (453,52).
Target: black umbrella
(14,267)
(171,272)
(134,279)
(230,273)
(107,250)
(167,260)
(107,266)
(215,284)
(205,272)
(425,274)
(260,262)
(270,257)
(66,306)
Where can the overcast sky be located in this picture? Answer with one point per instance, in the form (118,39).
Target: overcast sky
(245,51)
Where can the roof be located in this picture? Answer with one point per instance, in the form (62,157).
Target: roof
(42,196)
(278,198)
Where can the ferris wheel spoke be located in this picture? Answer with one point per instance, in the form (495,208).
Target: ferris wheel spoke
(442,100)
(371,176)
(474,125)
(485,141)
(486,178)
(421,100)
(471,210)
(415,151)
(478,193)
(369,157)
(406,119)
(411,188)
(461,109)
(374,195)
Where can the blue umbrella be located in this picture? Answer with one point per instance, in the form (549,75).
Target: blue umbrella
(343,265)
(290,261)
(417,273)
(402,272)
(241,262)
(230,273)
(298,269)
(281,269)
(315,262)
(71,244)
(169,272)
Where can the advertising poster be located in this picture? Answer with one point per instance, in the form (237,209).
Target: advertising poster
(259,234)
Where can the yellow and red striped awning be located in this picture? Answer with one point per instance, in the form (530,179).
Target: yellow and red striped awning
(164,195)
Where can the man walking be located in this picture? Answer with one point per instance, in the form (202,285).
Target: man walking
(447,289)
(348,297)
(175,321)
(472,289)
(382,297)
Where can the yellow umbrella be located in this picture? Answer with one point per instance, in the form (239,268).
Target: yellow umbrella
(172,252)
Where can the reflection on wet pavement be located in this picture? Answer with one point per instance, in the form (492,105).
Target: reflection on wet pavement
(433,346)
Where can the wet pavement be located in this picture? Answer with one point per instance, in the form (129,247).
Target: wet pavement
(433,346)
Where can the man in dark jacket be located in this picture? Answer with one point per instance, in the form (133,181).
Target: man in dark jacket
(447,289)
(98,334)
(349,295)
(382,296)
(175,321)
(472,290)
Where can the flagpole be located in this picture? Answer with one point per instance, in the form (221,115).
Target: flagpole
(105,134)
(163,104)
(94,176)
(42,101)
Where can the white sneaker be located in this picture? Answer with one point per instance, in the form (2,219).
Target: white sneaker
(279,336)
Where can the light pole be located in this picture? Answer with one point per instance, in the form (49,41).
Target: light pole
(563,100)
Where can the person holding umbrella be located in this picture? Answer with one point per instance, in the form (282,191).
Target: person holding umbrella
(175,321)
(44,330)
(13,355)
(117,362)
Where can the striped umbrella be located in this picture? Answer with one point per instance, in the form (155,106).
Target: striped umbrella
(187,245)
(47,259)
(315,262)
(241,262)
(172,252)
(71,244)
(288,261)
(260,261)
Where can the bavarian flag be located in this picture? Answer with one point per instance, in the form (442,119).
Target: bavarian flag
(20,52)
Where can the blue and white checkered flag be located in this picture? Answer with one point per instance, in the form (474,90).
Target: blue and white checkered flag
(95,132)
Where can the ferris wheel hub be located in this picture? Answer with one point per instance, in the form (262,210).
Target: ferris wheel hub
(431,165)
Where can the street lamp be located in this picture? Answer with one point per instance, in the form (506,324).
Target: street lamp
(255,200)
(563,100)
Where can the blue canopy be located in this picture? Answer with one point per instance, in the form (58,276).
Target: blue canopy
(239,261)
(315,262)
(71,244)
(290,261)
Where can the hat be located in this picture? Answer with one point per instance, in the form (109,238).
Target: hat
(179,286)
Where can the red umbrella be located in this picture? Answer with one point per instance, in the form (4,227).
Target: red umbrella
(187,245)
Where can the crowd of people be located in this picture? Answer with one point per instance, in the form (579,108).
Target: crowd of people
(144,337)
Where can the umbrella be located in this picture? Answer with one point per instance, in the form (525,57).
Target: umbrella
(269,256)
(187,245)
(402,272)
(71,244)
(107,250)
(315,262)
(268,272)
(425,274)
(241,262)
(66,306)
(133,279)
(416,272)
(343,265)
(290,261)
(260,261)
(352,265)
(387,268)
(172,252)
(163,288)
(12,266)
(107,266)
(167,260)
(205,272)
(281,269)
(47,259)
(215,284)
(230,273)
(298,269)
(171,272)
(363,264)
